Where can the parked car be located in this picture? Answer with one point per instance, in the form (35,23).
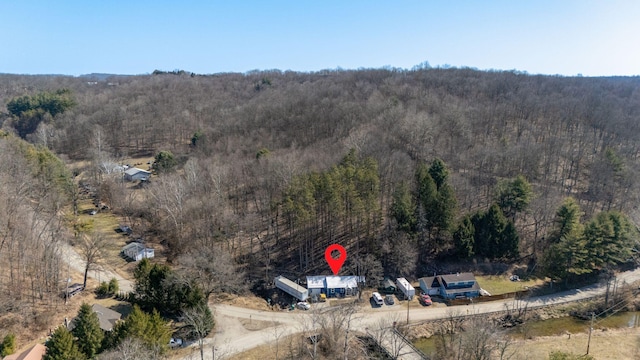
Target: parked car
(389,300)
(377,298)
(425,299)
(175,343)
(304,305)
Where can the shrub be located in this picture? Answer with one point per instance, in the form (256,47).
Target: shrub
(8,345)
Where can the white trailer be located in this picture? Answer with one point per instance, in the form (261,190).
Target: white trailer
(406,288)
(291,288)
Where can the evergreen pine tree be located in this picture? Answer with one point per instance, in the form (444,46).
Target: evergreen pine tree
(463,238)
(87,331)
(62,347)
(439,173)
(151,329)
(402,208)
(495,236)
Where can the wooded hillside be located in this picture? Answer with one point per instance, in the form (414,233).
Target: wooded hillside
(264,160)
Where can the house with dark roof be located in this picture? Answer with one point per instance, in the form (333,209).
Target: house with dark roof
(36,352)
(451,286)
(106,317)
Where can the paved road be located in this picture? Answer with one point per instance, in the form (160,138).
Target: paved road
(232,338)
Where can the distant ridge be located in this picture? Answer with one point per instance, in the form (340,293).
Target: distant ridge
(101,76)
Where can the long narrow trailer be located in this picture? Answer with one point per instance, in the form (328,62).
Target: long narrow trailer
(291,288)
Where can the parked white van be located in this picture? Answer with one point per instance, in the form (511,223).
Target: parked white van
(377,298)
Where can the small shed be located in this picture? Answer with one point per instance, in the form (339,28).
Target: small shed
(136,251)
(135,174)
(387,287)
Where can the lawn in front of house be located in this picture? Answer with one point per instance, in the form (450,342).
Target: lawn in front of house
(500,284)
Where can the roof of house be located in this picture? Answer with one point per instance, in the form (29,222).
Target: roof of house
(36,352)
(452,278)
(333,282)
(315,282)
(474,287)
(106,316)
(134,170)
(430,282)
(388,283)
(136,246)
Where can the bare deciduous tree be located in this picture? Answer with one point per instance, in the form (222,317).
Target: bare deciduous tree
(277,334)
(198,323)
(92,248)
(214,270)
(131,349)
(388,336)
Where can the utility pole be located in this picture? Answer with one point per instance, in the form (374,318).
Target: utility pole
(66,290)
(593,315)
(407,310)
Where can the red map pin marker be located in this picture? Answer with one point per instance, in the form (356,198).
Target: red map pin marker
(335,264)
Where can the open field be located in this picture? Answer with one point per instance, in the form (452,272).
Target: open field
(500,284)
(268,352)
(605,345)
(105,223)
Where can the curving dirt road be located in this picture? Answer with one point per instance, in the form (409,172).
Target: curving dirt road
(77,263)
(232,337)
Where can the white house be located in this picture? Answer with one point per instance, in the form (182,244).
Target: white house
(134,174)
(333,286)
(136,251)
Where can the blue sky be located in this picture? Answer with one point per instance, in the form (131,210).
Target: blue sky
(565,37)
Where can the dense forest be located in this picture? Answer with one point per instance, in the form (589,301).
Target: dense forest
(411,170)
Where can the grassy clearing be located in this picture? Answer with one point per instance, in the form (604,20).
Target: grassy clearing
(500,284)
(605,344)
(268,352)
(105,223)
(609,344)
(249,302)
